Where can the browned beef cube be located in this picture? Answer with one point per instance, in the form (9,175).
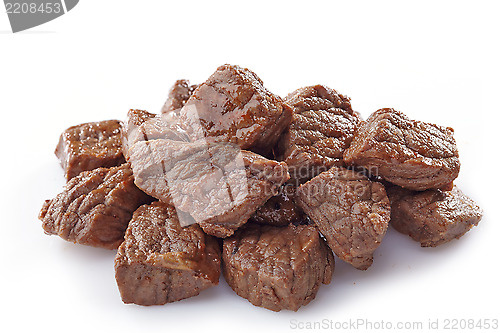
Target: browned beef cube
(277,267)
(145,126)
(131,133)
(281,209)
(432,217)
(94,208)
(160,262)
(234,106)
(178,95)
(322,128)
(219,185)
(411,154)
(350,210)
(88,146)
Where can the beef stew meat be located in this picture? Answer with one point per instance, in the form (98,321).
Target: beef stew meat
(218,185)
(178,95)
(277,267)
(432,217)
(145,126)
(234,106)
(411,154)
(322,128)
(351,211)
(94,208)
(132,132)
(88,146)
(280,209)
(160,262)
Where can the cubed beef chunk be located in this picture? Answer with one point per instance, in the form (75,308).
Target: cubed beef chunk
(432,217)
(411,154)
(234,106)
(160,262)
(322,128)
(145,126)
(277,267)
(131,132)
(178,95)
(281,209)
(88,146)
(94,208)
(350,210)
(218,185)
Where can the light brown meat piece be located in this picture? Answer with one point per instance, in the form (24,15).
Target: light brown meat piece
(160,262)
(219,185)
(94,208)
(178,95)
(408,153)
(89,146)
(234,106)
(277,267)
(322,128)
(432,217)
(350,210)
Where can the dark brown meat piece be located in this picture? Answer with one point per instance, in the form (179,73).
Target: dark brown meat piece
(178,95)
(88,146)
(432,217)
(411,154)
(322,128)
(351,211)
(234,106)
(160,262)
(219,185)
(94,208)
(280,210)
(277,267)
(145,126)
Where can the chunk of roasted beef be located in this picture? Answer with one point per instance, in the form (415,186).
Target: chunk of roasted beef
(277,267)
(408,153)
(88,146)
(160,262)
(350,210)
(94,208)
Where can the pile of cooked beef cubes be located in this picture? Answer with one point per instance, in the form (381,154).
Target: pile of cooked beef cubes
(232,177)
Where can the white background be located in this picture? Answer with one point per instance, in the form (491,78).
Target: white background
(435,61)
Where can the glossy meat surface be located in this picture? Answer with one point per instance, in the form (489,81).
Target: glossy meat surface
(351,211)
(94,208)
(218,185)
(234,106)
(411,154)
(144,126)
(178,94)
(277,267)
(88,146)
(322,128)
(433,217)
(280,210)
(160,262)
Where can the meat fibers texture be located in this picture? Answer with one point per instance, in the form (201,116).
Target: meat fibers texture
(322,128)
(234,106)
(160,262)
(178,95)
(219,185)
(277,267)
(408,153)
(88,146)
(433,217)
(94,208)
(280,210)
(350,210)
